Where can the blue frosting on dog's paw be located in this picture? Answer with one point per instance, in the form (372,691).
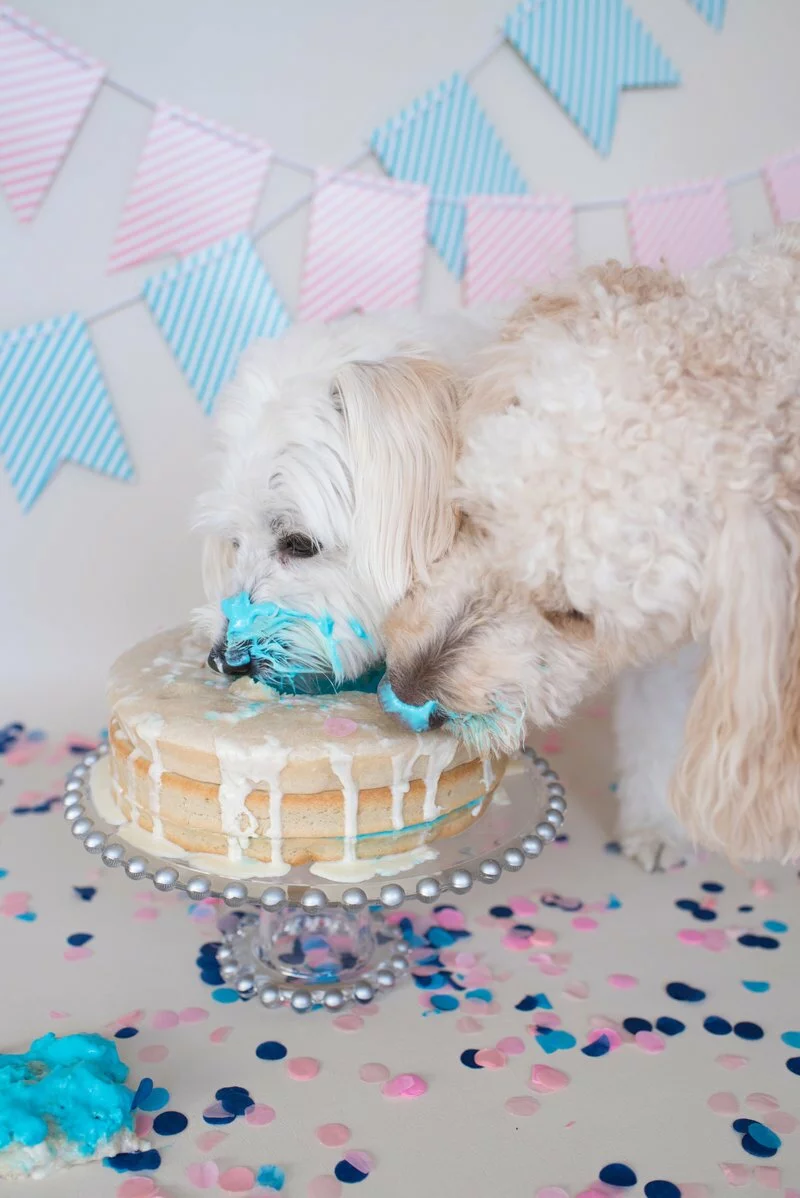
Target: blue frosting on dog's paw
(418,719)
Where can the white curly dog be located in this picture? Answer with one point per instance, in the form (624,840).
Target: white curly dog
(615,491)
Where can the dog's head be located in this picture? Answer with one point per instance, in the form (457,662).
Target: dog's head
(336,452)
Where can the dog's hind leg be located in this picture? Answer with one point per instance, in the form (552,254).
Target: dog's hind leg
(649,716)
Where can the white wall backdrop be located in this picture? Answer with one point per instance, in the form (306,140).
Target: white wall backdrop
(97,564)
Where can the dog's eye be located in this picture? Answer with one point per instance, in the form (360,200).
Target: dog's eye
(298,544)
(234,543)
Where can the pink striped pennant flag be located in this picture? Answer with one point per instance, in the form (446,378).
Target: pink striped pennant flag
(782,179)
(46,90)
(196,183)
(366,244)
(684,227)
(514,241)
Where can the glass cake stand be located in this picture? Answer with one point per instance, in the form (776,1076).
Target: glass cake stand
(289,942)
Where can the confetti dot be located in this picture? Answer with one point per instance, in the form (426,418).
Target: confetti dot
(751,940)
(712,887)
(220,1035)
(333,1135)
(723,1103)
(193,1015)
(444,1002)
(373,1072)
(126,1033)
(547,1080)
(584,923)
(237,1180)
(134,1162)
(490,1058)
(792,1039)
(683,992)
(776,925)
(617,1174)
(203,1174)
(649,1041)
(468,1058)
(762,1102)
(409,1085)
(717,1026)
(207,1141)
(348,1023)
(512,1046)
(756,987)
(623,981)
(793,1065)
(156,1098)
(523,1106)
(634,1025)
(153,1053)
(468,1025)
(217,1116)
(259,1114)
(661,1189)
(731,1061)
(271,1050)
(669,1026)
(748,1031)
(170,1123)
(235,1100)
(79,938)
(224,995)
(70,954)
(136,1187)
(324,1186)
(735,1175)
(340,726)
(272,1177)
(302,1069)
(163,1020)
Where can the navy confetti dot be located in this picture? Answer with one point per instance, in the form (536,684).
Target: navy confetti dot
(143,1091)
(751,940)
(234,1099)
(125,1033)
(468,1058)
(134,1162)
(348,1173)
(598,1047)
(669,1026)
(710,888)
(662,1189)
(793,1065)
(717,1025)
(86,893)
(683,992)
(634,1024)
(79,938)
(170,1123)
(748,1031)
(271,1050)
(501,912)
(617,1174)
(531,1001)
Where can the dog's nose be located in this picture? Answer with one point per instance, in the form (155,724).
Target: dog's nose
(221,665)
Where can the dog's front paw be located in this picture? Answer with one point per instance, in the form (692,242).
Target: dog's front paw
(655,848)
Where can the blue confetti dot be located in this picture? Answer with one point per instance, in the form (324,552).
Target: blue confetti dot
(764,1136)
(613,903)
(144,1088)
(670,1026)
(712,887)
(531,1001)
(742,1125)
(79,938)
(271,1176)
(748,1031)
(468,1058)
(27,916)
(224,995)
(444,1002)
(170,1123)
(598,1047)
(219,1120)
(551,1040)
(235,1099)
(156,1098)
(662,1189)
(3,873)
(634,1024)
(683,992)
(756,987)
(717,1025)
(482,994)
(617,1174)
(134,1162)
(793,1065)
(755,1149)
(776,925)
(751,940)
(86,893)
(125,1033)
(271,1050)
(348,1173)
(440,937)
(792,1039)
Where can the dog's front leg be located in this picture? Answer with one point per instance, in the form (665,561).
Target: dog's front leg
(649,717)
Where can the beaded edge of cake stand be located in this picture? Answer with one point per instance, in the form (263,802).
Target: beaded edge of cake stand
(313,900)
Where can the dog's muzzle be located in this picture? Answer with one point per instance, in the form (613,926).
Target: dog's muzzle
(220,662)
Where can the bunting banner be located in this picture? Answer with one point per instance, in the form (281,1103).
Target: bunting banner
(46,90)
(514,242)
(365,246)
(712,11)
(211,307)
(54,407)
(682,227)
(446,141)
(585,52)
(196,183)
(782,181)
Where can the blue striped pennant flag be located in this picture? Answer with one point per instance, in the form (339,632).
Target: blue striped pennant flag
(210,307)
(445,139)
(712,10)
(584,51)
(54,407)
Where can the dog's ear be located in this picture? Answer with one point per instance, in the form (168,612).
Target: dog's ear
(737,787)
(400,419)
(217,559)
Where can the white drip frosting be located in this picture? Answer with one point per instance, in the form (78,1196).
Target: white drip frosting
(342,766)
(440,756)
(364,868)
(488,775)
(242,771)
(402,765)
(149,729)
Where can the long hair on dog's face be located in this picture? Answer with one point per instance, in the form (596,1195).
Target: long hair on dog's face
(333,491)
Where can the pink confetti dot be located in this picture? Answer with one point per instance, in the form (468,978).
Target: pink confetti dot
(336,725)
(691,936)
(735,1175)
(207,1141)
(649,1041)
(781,1122)
(164,1019)
(153,1053)
(542,938)
(512,1046)
(716,941)
(15,903)
(193,1014)
(610,1033)
(693,1189)
(78,953)
(59,1014)
(762,888)
(521,1105)
(360,1160)
(465,960)
(723,1103)
(136,1187)
(220,1035)
(468,1025)
(237,1180)
(622,981)
(302,1069)
(348,1023)
(333,1135)
(762,1102)
(259,1115)
(523,906)
(579,990)
(584,923)
(767,1176)
(203,1174)
(405,1085)
(373,1071)
(147,913)
(517,942)
(547,1080)
(548,1019)
(729,1060)
(324,1186)
(490,1058)
(451,919)
(143,1124)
